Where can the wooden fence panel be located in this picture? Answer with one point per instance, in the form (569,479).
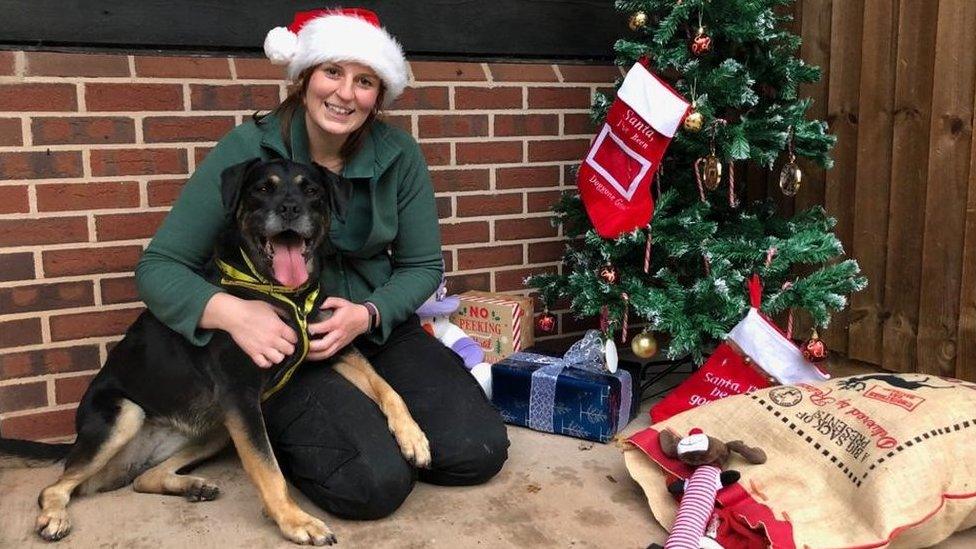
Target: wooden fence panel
(842,114)
(909,170)
(966,366)
(874,132)
(948,176)
(815,50)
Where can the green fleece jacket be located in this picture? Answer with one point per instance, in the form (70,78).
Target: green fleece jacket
(387,248)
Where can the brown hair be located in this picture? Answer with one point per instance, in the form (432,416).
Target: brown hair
(295,99)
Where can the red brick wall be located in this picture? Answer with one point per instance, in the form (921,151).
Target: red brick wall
(94,148)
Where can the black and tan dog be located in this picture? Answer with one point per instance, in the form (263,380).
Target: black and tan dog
(160,404)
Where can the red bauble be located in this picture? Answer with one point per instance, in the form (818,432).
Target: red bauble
(815,350)
(609,274)
(546,322)
(702,43)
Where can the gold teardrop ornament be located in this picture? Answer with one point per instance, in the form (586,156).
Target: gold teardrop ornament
(789,178)
(713,172)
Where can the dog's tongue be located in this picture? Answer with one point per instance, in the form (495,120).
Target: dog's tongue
(288,263)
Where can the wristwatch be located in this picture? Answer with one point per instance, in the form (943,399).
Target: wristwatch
(374,316)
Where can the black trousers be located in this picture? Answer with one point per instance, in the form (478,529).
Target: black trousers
(332,442)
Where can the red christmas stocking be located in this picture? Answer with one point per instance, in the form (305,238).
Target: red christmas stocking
(615,177)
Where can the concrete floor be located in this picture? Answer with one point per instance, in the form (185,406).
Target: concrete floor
(554,492)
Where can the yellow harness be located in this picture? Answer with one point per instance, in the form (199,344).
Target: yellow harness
(254,283)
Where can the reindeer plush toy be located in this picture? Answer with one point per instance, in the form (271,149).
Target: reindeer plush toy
(707,455)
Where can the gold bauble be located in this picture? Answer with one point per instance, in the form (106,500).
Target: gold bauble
(644,345)
(789,178)
(713,172)
(694,122)
(637,20)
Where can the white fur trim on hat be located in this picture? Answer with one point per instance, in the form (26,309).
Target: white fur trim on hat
(335,37)
(280,45)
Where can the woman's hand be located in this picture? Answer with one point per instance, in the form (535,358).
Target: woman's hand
(254,325)
(348,320)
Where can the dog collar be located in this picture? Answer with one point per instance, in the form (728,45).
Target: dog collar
(253,279)
(300,302)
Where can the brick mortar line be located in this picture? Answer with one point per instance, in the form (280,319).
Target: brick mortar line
(160,145)
(73,245)
(78,213)
(129,210)
(208,81)
(511,164)
(488,194)
(35,411)
(52,397)
(93,277)
(38,261)
(20,63)
(95,340)
(194,113)
(88,147)
(507,216)
(143,185)
(97,278)
(46,330)
(130,114)
(529,138)
(96,294)
(93,179)
(44,377)
(230,81)
(486,111)
(138,121)
(444,168)
(487,70)
(48,313)
(31,200)
(25,130)
(80,98)
(92,228)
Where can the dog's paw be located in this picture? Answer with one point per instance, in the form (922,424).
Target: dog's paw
(53,525)
(304,529)
(413,443)
(202,490)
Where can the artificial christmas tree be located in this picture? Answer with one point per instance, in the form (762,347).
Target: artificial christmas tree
(684,272)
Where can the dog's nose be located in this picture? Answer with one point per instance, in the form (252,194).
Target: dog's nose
(289,210)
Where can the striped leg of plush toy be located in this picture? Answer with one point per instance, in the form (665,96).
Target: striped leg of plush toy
(695,508)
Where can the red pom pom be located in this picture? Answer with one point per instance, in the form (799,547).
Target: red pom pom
(696,431)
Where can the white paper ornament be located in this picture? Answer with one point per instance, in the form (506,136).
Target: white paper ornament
(610,355)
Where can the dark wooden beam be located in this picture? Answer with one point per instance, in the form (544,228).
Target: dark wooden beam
(571,29)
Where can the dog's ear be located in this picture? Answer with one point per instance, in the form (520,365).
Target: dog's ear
(669,443)
(231,184)
(337,188)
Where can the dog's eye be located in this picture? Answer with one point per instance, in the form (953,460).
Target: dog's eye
(311,190)
(264,189)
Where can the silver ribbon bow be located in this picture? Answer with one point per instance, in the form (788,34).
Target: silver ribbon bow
(585,354)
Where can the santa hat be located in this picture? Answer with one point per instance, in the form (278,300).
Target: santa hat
(351,34)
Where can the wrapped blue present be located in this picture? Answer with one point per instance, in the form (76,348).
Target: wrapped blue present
(575,395)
